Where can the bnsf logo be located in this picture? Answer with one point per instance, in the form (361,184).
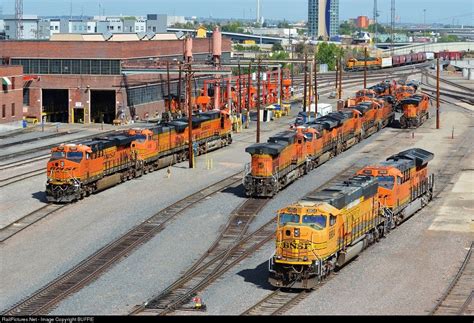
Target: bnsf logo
(296,245)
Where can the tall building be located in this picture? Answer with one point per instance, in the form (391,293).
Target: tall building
(323,18)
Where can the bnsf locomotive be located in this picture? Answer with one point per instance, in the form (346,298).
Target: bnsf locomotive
(328,228)
(414,110)
(293,153)
(75,171)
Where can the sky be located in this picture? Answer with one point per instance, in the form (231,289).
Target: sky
(409,11)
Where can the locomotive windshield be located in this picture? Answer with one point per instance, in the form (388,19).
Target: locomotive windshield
(386,181)
(316,221)
(140,138)
(286,218)
(58,155)
(74,156)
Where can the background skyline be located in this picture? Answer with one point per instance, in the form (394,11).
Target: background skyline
(409,11)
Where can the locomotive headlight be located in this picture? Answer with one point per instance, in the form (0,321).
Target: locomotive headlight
(297,232)
(305,258)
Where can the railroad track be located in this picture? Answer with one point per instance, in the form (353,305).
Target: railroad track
(45,299)
(281,300)
(53,135)
(28,220)
(222,255)
(457,299)
(17,178)
(45,147)
(23,162)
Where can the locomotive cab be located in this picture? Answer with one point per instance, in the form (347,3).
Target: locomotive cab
(66,162)
(305,234)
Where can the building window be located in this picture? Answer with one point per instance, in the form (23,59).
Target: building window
(13,109)
(55,66)
(51,27)
(69,66)
(85,66)
(7,27)
(4,111)
(95,67)
(44,66)
(56,27)
(26,96)
(13,83)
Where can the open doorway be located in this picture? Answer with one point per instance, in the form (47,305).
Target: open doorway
(78,115)
(55,105)
(102,106)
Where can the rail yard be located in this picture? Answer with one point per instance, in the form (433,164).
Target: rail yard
(151,244)
(245,197)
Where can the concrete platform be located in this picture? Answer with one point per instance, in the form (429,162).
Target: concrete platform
(457,212)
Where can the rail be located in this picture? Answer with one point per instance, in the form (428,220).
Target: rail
(44,300)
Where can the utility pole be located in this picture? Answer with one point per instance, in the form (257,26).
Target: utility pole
(188,55)
(249,82)
(190,114)
(179,87)
(315,88)
(340,78)
(376,14)
(437,94)
(337,72)
(169,86)
(240,89)
(258,100)
(365,68)
(305,84)
(392,27)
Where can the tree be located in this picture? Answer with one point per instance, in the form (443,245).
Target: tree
(380,29)
(277,47)
(346,28)
(448,39)
(327,53)
(283,24)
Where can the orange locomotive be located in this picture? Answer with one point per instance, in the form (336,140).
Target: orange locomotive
(291,154)
(329,227)
(415,110)
(76,171)
(403,92)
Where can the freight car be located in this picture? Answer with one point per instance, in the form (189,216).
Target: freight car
(76,171)
(328,228)
(292,154)
(414,111)
(354,64)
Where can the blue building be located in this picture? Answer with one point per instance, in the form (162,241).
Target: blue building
(323,18)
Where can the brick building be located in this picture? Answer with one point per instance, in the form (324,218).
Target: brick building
(82,81)
(362,22)
(11,94)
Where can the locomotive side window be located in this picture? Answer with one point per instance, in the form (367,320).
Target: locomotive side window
(286,218)
(315,220)
(386,181)
(332,220)
(141,138)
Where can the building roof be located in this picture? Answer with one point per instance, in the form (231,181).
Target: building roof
(119,37)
